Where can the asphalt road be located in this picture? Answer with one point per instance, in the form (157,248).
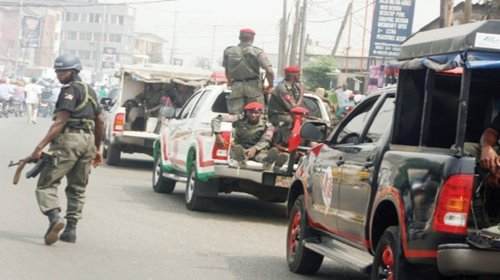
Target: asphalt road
(130,232)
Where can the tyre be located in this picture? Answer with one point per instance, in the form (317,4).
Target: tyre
(194,201)
(113,155)
(161,184)
(389,261)
(299,258)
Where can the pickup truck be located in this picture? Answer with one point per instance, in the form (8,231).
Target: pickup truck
(393,190)
(124,135)
(186,152)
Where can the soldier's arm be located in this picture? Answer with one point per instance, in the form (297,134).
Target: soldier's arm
(55,129)
(99,130)
(285,97)
(267,66)
(301,94)
(224,64)
(265,139)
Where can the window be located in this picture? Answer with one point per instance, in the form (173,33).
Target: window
(67,16)
(382,121)
(121,20)
(189,105)
(83,17)
(84,54)
(95,18)
(71,35)
(220,104)
(114,19)
(74,17)
(85,36)
(116,38)
(350,133)
(99,37)
(312,105)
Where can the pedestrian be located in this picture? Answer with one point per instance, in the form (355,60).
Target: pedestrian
(252,139)
(242,64)
(75,140)
(33,95)
(5,96)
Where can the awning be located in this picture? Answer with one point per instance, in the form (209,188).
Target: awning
(154,73)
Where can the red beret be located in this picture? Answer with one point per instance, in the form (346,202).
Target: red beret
(292,69)
(254,106)
(247,30)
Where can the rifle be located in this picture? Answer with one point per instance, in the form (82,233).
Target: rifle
(33,172)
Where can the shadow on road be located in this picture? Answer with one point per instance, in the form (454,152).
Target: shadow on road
(138,164)
(22,237)
(237,207)
(251,267)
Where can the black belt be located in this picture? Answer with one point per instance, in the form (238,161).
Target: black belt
(247,80)
(76,130)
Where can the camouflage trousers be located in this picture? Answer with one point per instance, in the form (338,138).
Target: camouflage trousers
(259,156)
(243,93)
(73,153)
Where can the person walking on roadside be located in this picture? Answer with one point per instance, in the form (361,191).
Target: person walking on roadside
(33,94)
(242,64)
(75,139)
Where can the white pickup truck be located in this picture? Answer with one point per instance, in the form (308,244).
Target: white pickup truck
(126,136)
(186,153)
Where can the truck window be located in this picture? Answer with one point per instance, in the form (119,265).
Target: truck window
(351,131)
(381,121)
(189,105)
(220,104)
(312,105)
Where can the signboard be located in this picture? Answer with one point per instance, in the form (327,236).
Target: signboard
(392,23)
(32,29)
(108,57)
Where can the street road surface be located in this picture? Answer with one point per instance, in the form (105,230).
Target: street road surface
(130,232)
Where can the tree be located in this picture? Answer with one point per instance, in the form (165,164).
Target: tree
(318,72)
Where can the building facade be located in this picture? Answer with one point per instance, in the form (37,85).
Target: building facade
(148,48)
(102,36)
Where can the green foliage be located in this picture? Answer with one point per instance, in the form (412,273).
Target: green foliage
(317,73)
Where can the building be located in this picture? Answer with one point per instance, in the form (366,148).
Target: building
(148,48)
(101,35)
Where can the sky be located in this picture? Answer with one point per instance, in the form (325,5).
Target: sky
(203,28)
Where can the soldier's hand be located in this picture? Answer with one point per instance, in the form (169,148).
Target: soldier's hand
(36,155)
(489,159)
(97,160)
(250,153)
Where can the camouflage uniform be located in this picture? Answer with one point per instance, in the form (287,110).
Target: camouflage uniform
(256,136)
(283,99)
(73,151)
(243,63)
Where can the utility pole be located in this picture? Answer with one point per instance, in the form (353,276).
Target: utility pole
(446,14)
(283,35)
(295,34)
(341,30)
(303,41)
(363,39)
(346,64)
(174,30)
(212,59)
(19,51)
(467,11)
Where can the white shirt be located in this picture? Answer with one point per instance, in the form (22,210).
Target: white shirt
(33,93)
(4,92)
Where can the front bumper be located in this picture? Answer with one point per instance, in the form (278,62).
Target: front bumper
(462,259)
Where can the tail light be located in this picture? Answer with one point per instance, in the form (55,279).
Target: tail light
(119,122)
(221,146)
(453,205)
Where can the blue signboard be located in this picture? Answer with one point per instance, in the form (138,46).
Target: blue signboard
(392,23)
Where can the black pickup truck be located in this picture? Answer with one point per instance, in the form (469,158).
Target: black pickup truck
(392,190)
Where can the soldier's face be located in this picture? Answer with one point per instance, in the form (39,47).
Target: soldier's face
(253,116)
(64,76)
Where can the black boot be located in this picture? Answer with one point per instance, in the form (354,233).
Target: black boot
(56,224)
(69,233)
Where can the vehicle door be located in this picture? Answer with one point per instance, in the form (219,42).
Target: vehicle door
(358,170)
(179,133)
(326,167)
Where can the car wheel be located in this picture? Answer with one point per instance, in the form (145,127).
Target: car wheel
(299,258)
(389,262)
(113,155)
(194,201)
(161,184)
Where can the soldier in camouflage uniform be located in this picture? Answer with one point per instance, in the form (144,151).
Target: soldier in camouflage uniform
(252,139)
(242,64)
(75,139)
(287,95)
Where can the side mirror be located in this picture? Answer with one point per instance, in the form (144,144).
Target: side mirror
(167,112)
(314,131)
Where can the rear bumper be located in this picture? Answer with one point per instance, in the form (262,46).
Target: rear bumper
(257,176)
(134,143)
(461,259)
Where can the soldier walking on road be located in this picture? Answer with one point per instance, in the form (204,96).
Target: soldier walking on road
(75,138)
(242,64)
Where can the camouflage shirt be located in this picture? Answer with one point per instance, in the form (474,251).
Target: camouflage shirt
(249,135)
(244,61)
